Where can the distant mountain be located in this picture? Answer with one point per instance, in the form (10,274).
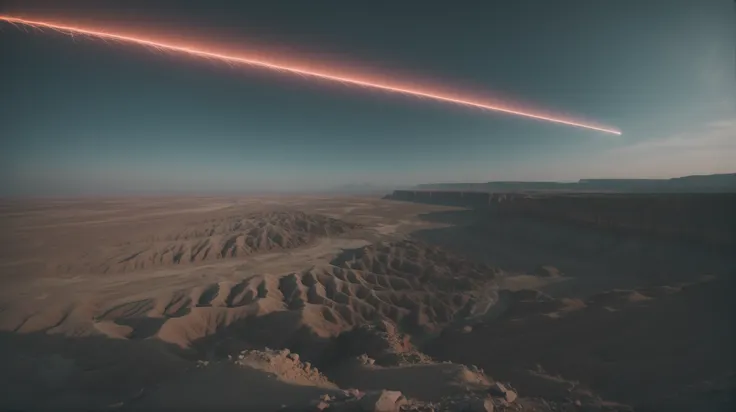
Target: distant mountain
(696,183)
(362,189)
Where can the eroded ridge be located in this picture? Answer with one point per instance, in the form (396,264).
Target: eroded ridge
(418,287)
(233,236)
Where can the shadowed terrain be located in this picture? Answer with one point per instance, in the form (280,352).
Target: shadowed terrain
(289,303)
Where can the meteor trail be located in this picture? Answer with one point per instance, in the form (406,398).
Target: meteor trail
(292,69)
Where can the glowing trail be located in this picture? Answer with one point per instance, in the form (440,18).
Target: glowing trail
(288,68)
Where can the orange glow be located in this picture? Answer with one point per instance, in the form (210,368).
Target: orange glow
(292,69)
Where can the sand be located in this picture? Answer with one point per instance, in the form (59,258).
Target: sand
(297,303)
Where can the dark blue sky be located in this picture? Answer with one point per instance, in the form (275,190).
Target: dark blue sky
(85,117)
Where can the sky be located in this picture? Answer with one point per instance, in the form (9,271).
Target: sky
(86,117)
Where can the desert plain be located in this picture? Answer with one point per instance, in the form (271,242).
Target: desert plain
(349,303)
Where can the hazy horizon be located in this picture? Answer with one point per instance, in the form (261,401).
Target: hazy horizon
(82,117)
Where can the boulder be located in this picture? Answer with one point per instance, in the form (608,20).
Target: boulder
(383,401)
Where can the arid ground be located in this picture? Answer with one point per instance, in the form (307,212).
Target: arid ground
(321,303)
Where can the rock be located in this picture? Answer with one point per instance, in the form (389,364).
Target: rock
(383,401)
(366,360)
(320,406)
(294,356)
(497,389)
(352,393)
(467,329)
(480,405)
(501,391)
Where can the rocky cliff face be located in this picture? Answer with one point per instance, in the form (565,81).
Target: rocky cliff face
(717,183)
(700,217)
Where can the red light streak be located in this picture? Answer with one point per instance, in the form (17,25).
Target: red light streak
(293,69)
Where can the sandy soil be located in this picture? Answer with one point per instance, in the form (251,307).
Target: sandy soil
(316,303)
